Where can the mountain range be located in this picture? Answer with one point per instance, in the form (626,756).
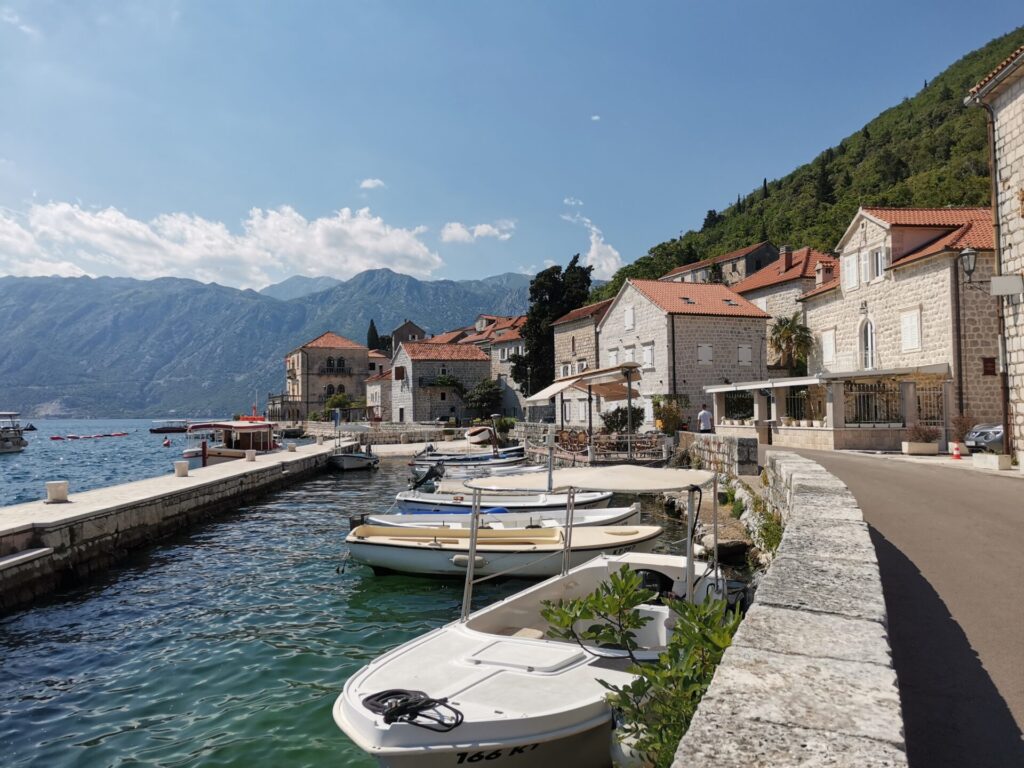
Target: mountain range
(123,347)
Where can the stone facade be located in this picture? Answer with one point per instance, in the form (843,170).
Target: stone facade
(513,402)
(671,366)
(1007,102)
(576,350)
(316,371)
(378,399)
(415,397)
(407,331)
(926,288)
(735,266)
(808,679)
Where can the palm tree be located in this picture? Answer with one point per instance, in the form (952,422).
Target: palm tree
(791,340)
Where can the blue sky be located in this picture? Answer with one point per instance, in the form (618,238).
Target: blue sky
(245,142)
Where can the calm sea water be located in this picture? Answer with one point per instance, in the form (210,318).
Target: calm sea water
(224,647)
(85,464)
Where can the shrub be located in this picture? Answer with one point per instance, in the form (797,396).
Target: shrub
(616,420)
(961,426)
(921,433)
(505,425)
(670,410)
(657,706)
(738,508)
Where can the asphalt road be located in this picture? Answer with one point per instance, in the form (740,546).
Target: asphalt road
(951,551)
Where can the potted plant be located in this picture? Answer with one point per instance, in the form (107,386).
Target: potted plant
(922,440)
(960,426)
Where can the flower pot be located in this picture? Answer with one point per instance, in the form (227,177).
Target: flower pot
(805,422)
(920,449)
(991,461)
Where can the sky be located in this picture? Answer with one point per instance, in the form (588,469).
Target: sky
(242,142)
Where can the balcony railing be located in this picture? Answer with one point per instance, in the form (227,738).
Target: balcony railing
(880,403)
(323,370)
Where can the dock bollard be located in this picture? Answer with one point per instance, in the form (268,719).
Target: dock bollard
(181,469)
(319,439)
(250,455)
(291,447)
(57,492)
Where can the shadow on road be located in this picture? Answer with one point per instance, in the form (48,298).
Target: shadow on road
(953,714)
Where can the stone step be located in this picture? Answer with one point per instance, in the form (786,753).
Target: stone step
(25,556)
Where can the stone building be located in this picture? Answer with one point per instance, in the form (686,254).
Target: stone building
(1002,93)
(378,361)
(777,288)
(733,266)
(407,331)
(378,396)
(685,336)
(426,380)
(329,364)
(576,350)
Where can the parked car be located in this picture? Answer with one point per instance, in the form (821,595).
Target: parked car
(985,437)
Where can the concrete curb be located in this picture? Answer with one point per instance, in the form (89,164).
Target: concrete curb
(809,678)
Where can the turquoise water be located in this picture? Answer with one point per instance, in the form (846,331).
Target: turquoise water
(224,647)
(85,464)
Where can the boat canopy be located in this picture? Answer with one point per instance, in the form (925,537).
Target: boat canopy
(9,414)
(608,383)
(237,426)
(619,478)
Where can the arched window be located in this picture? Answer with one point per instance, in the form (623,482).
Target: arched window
(330,362)
(329,390)
(867,344)
(341,362)
(341,389)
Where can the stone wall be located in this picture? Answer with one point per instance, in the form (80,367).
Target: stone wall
(808,679)
(1009,110)
(584,333)
(725,453)
(44,548)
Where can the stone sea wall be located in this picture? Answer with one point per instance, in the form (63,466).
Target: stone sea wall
(725,453)
(44,548)
(809,678)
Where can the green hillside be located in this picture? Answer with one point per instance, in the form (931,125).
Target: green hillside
(930,150)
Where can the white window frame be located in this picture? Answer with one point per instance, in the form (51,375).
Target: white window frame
(504,353)
(565,370)
(828,351)
(868,346)
(864,259)
(849,270)
(581,366)
(878,263)
(583,411)
(705,354)
(613,357)
(914,314)
(647,355)
(629,354)
(749,349)
(628,318)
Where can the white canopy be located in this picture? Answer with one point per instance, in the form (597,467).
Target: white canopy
(620,478)
(609,383)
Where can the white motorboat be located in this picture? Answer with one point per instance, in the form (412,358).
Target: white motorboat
(236,437)
(518,552)
(494,686)
(467,471)
(428,458)
(347,456)
(418,501)
(502,518)
(12,438)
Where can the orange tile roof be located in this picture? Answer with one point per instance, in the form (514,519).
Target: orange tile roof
(502,337)
(378,353)
(448,337)
(595,311)
(1003,65)
(382,376)
(824,287)
(696,299)
(716,260)
(973,234)
(490,332)
(930,217)
(804,260)
(422,350)
(331,340)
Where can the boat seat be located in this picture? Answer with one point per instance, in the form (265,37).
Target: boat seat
(531,633)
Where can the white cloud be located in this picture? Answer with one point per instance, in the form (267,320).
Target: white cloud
(573,201)
(10,16)
(457,232)
(533,269)
(595,118)
(602,257)
(372,184)
(64,238)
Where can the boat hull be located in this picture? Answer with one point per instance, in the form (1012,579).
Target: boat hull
(351,461)
(625,516)
(444,503)
(445,562)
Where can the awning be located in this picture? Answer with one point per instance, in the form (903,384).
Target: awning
(746,386)
(824,378)
(613,375)
(620,478)
(560,385)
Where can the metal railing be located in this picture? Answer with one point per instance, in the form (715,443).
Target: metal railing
(879,403)
(796,403)
(324,370)
(739,405)
(930,411)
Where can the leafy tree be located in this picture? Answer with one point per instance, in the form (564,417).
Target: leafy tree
(339,400)
(791,340)
(484,398)
(617,419)
(715,273)
(553,293)
(372,337)
(711,218)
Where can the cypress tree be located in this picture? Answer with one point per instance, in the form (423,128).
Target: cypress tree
(372,337)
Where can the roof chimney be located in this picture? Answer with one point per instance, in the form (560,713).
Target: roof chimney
(786,253)
(822,273)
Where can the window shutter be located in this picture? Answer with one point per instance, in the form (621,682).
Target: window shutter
(744,354)
(648,355)
(613,357)
(704,354)
(630,355)
(865,267)
(849,272)
(628,318)
(828,346)
(910,330)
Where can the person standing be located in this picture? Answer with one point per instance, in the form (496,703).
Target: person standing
(704,419)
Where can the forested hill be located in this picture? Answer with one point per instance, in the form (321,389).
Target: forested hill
(930,150)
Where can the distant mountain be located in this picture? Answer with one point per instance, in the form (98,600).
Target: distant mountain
(297,286)
(124,347)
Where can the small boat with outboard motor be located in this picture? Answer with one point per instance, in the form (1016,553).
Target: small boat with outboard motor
(169,426)
(12,439)
(347,456)
(501,518)
(494,686)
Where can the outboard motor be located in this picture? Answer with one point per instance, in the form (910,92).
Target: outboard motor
(435,472)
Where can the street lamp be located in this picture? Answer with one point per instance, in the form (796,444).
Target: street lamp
(968,260)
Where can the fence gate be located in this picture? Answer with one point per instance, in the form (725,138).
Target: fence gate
(930,410)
